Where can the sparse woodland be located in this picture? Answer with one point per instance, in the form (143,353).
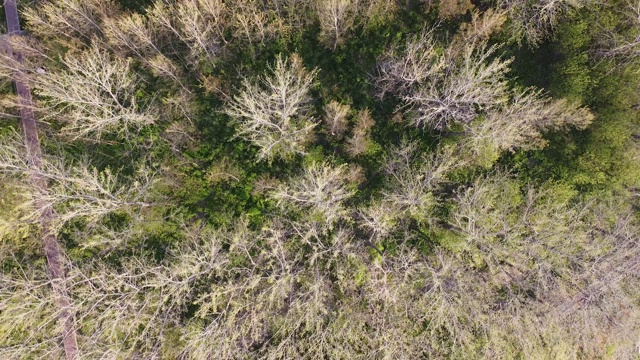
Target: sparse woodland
(323,179)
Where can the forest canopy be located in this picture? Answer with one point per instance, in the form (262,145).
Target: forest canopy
(320,179)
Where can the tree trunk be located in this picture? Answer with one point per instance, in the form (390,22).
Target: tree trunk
(50,242)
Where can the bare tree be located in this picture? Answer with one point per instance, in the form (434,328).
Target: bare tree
(360,141)
(335,118)
(134,309)
(33,158)
(273,112)
(133,34)
(481,26)
(339,18)
(136,34)
(201,24)
(403,71)
(380,218)
(623,42)
(62,194)
(321,189)
(536,20)
(93,94)
(542,244)
(74,190)
(71,20)
(521,125)
(257,21)
(412,180)
(127,310)
(490,269)
(444,89)
(198,23)
(401,74)
(466,86)
(29,313)
(10,66)
(474,83)
(521,237)
(336,19)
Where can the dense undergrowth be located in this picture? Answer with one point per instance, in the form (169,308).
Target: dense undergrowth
(331,179)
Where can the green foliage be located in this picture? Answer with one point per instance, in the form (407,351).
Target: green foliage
(379,241)
(572,73)
(598,157)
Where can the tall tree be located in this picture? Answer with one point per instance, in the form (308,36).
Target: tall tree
(273,112)
(93,93)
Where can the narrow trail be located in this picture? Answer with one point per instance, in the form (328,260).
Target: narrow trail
(51,246)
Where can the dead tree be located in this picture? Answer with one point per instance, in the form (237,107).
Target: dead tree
(273,112)
(95,93)
(52,249)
